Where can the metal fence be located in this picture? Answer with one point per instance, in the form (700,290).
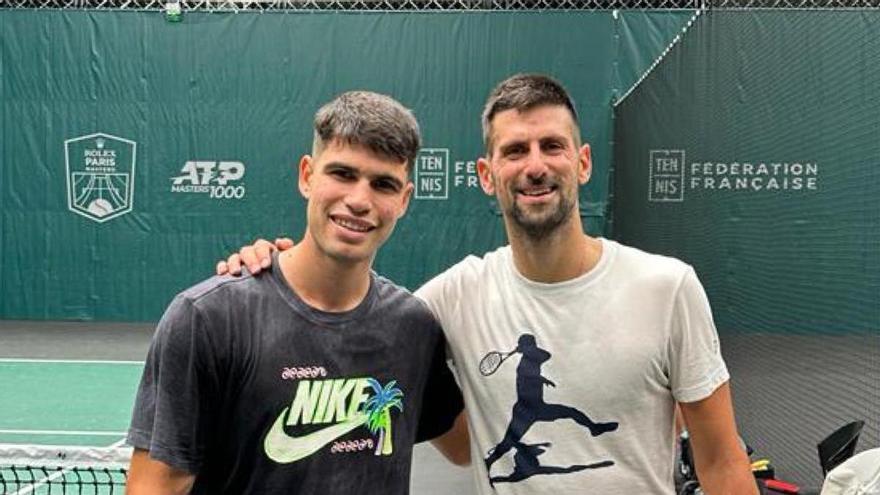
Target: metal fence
(432,5)
(793,4)
(356,5)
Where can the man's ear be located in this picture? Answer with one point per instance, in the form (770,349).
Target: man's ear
(484,170)
(407,196)
(306,170)
(585,164)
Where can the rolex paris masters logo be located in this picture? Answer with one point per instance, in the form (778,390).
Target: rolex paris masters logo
(100,175)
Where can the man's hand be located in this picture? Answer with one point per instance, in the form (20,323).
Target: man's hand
(255,257)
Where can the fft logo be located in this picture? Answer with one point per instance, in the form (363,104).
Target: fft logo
(670,175)
(431,172)
(100,175)
(217,179)
(666,176)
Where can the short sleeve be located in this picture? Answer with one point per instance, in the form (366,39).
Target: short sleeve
(172,416)
(442,401)
(696,365)
(433,294)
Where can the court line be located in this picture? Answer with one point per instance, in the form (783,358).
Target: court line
(63,432)
(114,445)
(67,361)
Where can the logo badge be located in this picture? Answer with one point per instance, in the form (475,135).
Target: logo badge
(669,175)
(431,172)
(666,176)
(340,406)
(283,448)
(100,175)
(215,179)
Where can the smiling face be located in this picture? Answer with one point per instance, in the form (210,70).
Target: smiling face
(534,167)
(354,200)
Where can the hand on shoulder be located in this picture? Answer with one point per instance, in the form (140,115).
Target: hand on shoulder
(255,257)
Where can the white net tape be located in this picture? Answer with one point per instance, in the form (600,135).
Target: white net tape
(64,456)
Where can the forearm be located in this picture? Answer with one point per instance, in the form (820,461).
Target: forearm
(726,475)
(455,443)
(722,464)
(148,476)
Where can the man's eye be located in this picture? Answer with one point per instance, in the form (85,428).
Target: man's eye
(342,173)
(385,185)
(553,146)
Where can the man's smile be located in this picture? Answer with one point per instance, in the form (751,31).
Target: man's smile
(536,193)
(353,224)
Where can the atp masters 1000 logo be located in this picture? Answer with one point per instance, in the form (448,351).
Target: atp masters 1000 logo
(100,175)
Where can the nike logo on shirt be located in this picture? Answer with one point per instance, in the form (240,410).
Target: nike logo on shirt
(283,448)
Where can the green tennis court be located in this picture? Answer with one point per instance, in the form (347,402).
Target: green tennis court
(55,410)
(66,402)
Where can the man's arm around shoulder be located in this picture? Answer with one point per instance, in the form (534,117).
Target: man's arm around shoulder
(147,476)
(722,465)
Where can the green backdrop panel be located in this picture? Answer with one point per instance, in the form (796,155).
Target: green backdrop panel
(136,151)
(753,152)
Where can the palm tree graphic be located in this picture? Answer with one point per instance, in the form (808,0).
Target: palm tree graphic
(378,411)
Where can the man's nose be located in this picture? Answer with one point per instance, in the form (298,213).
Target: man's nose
(535,166)
(359,197)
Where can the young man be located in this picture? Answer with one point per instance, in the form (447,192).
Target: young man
(617,336)
(320,376)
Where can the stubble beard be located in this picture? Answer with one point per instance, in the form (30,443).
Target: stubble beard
(541,225)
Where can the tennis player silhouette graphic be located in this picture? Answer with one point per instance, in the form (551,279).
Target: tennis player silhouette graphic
(529,409)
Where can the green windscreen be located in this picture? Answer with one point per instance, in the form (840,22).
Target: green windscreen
(752,151)
(135,152)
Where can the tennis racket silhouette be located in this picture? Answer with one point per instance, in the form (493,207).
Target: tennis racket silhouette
(492,361)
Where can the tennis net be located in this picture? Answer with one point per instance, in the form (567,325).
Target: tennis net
(47,470)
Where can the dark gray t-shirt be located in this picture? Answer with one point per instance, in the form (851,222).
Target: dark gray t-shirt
(256,392)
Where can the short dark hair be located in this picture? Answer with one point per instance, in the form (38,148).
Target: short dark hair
(378,122)
(523,92)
